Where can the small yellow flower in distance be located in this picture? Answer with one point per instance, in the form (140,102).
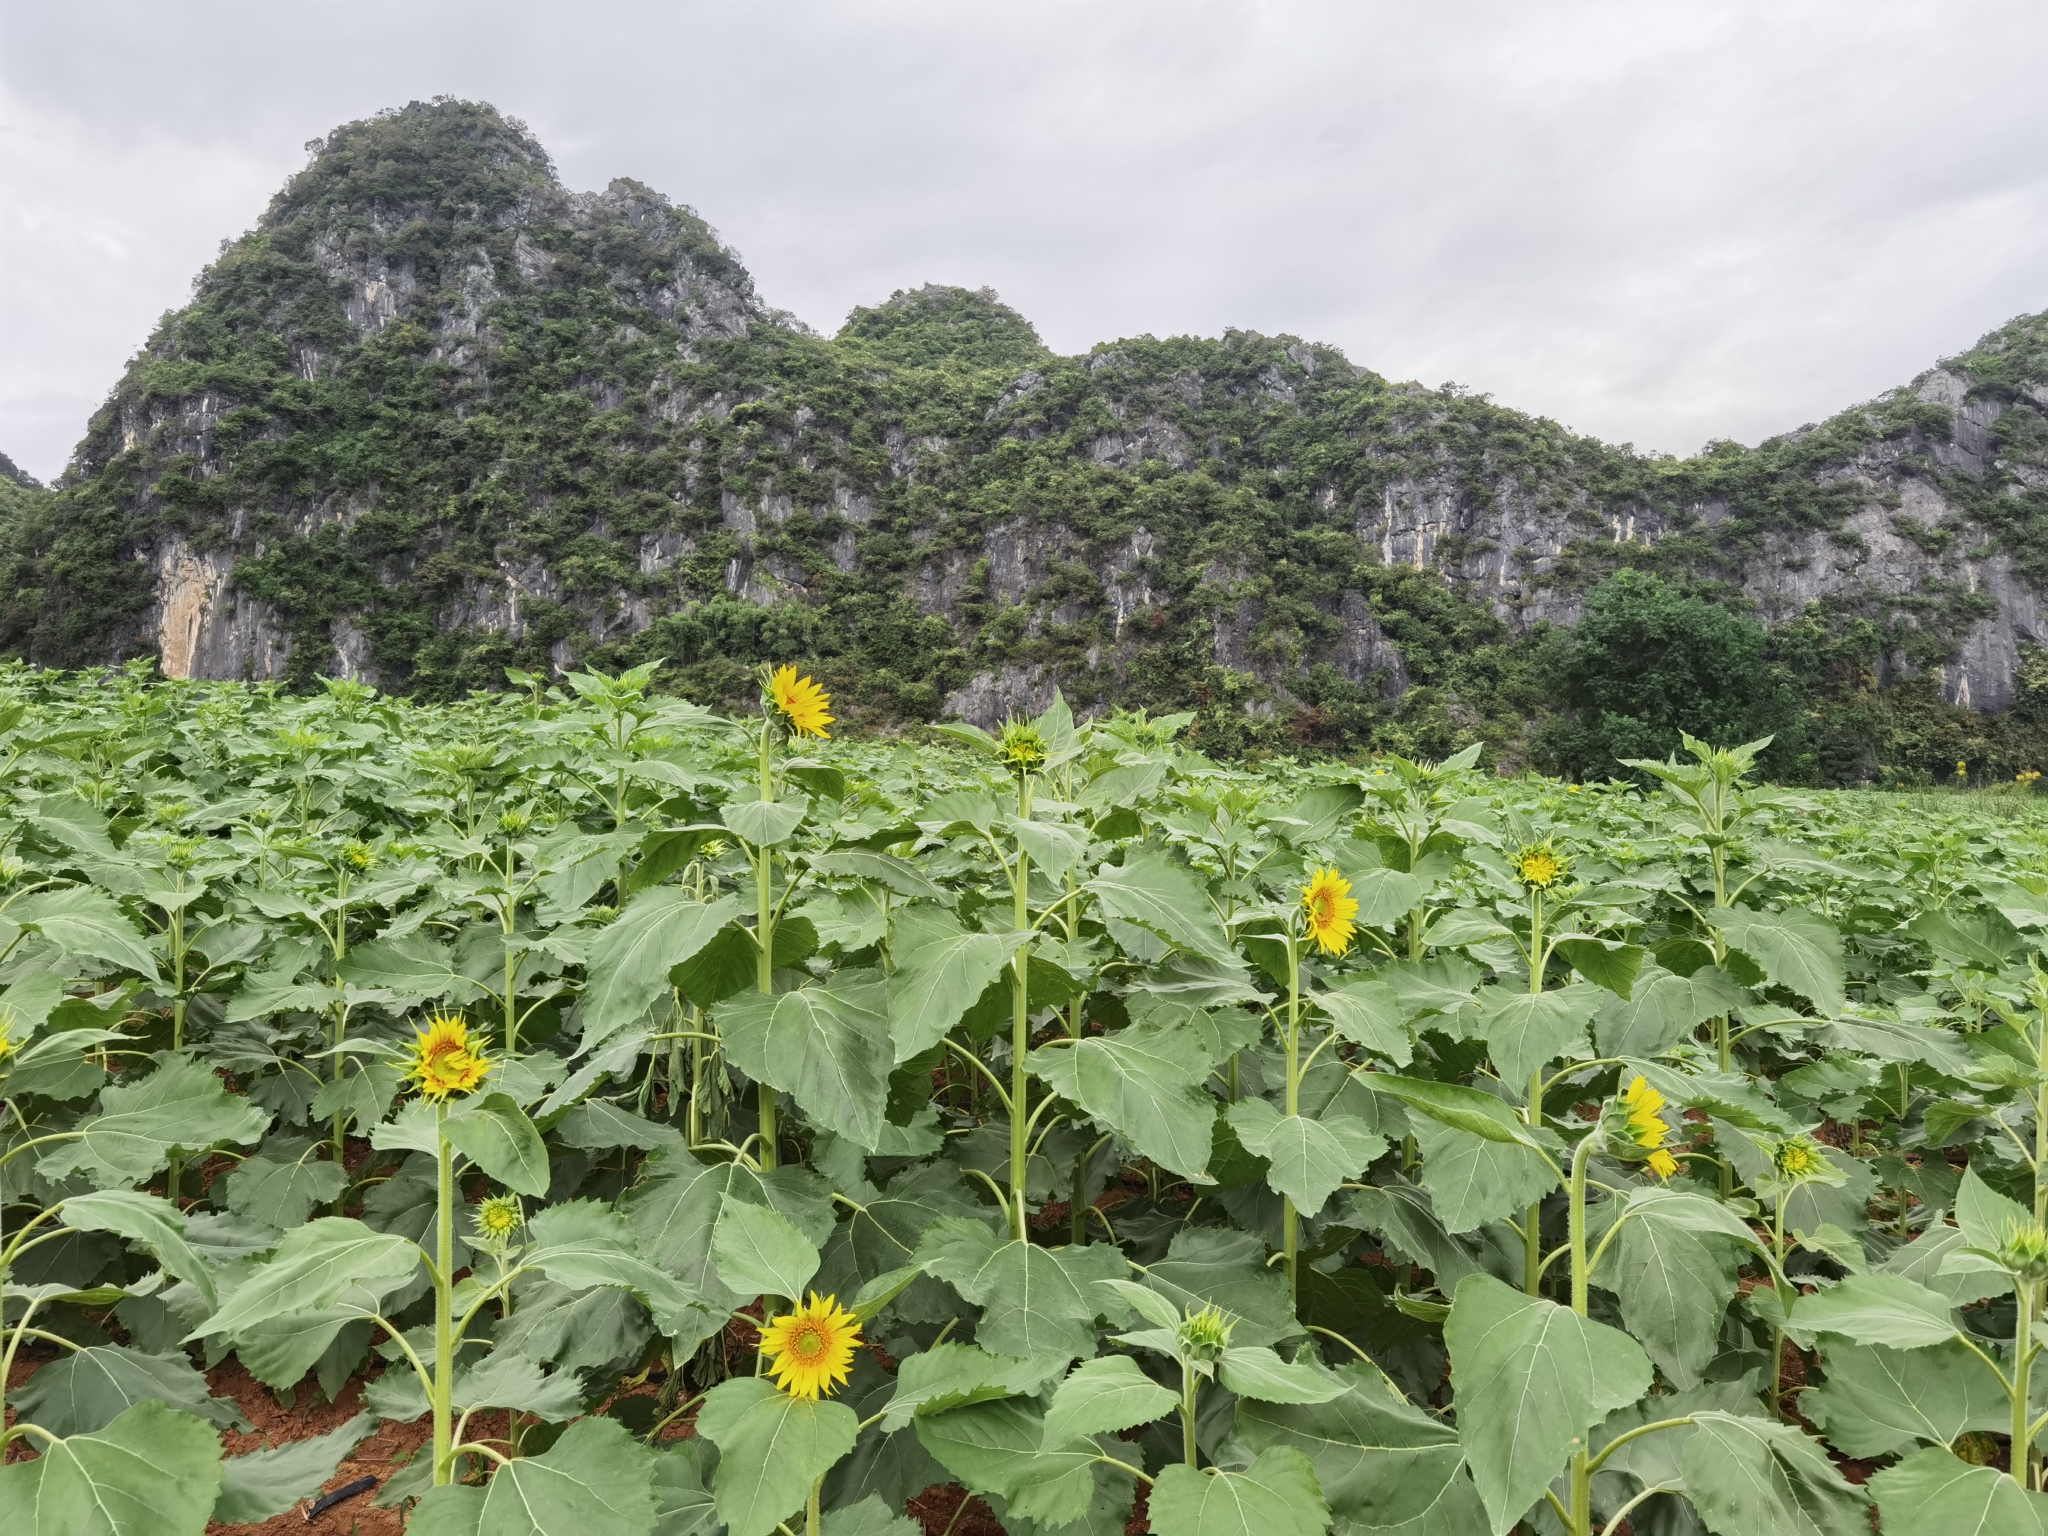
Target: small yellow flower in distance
(1330,907)
(1539,867)
(810,1350)
(443,1064)
(803,703)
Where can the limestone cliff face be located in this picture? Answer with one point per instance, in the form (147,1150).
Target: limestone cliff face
(437,414)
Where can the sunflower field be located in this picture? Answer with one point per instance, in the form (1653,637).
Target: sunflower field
(655,1122)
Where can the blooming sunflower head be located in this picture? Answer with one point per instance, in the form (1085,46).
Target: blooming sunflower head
(1206,1334)
(498,1218)
(1642,1106)
(1330,908)
(1799,1160)
(1023,745)
(444,1063)
(803,703)
(1540,866)
(810,1350)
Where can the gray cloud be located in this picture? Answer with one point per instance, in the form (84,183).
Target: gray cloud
(1659,224)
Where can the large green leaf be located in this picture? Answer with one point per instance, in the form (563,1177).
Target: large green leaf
(1103,1396)
(759,1252)
(1383,1465)
(314,1268)
(827,1045)
(629,964)
(494,1133)
(258,1484)
(1607,963)
(148,1222)
(179,1106)
(580,1244)
(1276,1495)
(413,968)
(1262,1376)
(1674,1284)
(1405,1218)
(1001,1448)
(950,1376)
(1984,1216)
(152,1472)
(1663,1009)
(1923,1258)
(771,1448)
(1756,1477)
(1526,1030)
(1799,950)
(1935,1492)
(1531,1379)
(82,921)
(941,970)
(1034,1300)
(597,1480)
(82,1392)
(1369,1013)
(1310,1159)
(1151,891)
(1473,1181)
(674,1211)
(1454,1105)
(1876,1400)
(1213,1266)
(1142,1082)
(1876,1309)
(280,1185)
(764,823)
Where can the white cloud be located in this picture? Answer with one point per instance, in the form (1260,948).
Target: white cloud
(1656,223)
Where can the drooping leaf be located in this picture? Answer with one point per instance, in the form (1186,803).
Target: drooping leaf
(950,1376)
(179,1106)
(1663,1009)
(759,1252)
(1151,891)
(1210,1266)
(629,964)
(1276,1495)
(315,1267)
(827,1045)
(1757,1477)
(150,1223)
(258,1484)
(1310,1159)
(1798,949)
(494,1133)
(1473,1181)
(771,1448)
(597,1480)
(1674,1284)
(1262,1376)
(82,1392)
(580,1244)
(1876,1308)
(1876,1400)
(1383,1465)
(80,920)
(1103,1396)
(1368,1013)
(941,969)
(280,1185)
(1607,963)
(152,1472)
(1142,1082)
(1531,1379)
(1035,1300)
(1934,1491)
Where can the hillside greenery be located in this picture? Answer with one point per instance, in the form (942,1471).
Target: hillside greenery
(582,396)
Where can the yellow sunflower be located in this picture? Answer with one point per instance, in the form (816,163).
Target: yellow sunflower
(443,1063)
(1328,902)
(1539,867)
(1648,1127)
(802,702)
(811,1349)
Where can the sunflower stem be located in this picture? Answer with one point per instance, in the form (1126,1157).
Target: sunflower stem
(444,1329)
(1020,1023)
(764,937)
(1290,1218)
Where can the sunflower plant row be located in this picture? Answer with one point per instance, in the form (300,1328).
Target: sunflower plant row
(711,1125)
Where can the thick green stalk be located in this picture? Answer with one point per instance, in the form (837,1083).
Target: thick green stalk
(1532,1218)
(764,939)
(1581,1507)
(1290,1219)
(1020,1022)
(811,1509)
(1190,1385)
(2022,1456)
(444,1322)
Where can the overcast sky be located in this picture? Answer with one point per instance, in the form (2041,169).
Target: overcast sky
(1659,223)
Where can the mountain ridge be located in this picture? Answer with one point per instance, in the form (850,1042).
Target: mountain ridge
(436,415)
